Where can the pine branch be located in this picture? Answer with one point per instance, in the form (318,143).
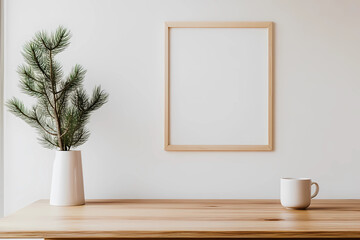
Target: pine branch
(33,56)
(31,88)
(80,137)
(98,99)
(60,40)
(17,107)
(47,141)
(56,113)
(43,40)
(56,69)
(27,73)
(41,125)
(48,98)
(56,43)
(63,106)
(73,81)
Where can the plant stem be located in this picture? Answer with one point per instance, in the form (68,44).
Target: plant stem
(57,120)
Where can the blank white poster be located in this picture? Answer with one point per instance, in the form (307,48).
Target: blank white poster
(218,86)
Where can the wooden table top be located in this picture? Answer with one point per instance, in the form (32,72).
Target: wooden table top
(184,218)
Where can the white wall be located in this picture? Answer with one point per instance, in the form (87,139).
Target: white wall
(121,43)
(1,108)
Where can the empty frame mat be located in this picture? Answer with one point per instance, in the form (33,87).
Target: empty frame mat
(218,86)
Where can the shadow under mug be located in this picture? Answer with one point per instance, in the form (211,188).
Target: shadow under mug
(295,193)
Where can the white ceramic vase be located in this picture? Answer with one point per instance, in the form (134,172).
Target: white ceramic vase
(67,187)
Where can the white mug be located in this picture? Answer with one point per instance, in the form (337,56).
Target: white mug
(296,192)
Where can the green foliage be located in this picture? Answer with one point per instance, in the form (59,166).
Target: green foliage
(63,107)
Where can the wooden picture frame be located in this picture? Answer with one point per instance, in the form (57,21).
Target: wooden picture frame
(268,145)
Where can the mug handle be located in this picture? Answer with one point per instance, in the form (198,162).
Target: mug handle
(316,190)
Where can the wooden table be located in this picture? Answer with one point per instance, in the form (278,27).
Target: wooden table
(184,219)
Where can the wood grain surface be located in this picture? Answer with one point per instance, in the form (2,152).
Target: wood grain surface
(184,219)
